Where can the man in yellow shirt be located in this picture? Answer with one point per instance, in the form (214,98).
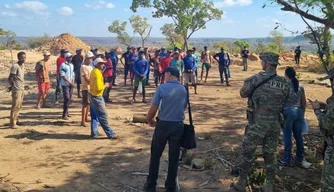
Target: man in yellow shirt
(98,112)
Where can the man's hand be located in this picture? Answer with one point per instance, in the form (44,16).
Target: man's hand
(152,123)
(106,84)
(315,105)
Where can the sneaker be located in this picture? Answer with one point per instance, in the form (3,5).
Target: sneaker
(285,163)
(306,164)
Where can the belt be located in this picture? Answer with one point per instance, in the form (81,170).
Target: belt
(291,107)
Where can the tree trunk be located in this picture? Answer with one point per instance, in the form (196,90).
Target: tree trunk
(142,42)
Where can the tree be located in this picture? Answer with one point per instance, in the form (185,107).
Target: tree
(120,30)
(241,44)
(8,41)
(277,38)
(168,30)
(38,41)
(142,27)
(188,16)
(261,47)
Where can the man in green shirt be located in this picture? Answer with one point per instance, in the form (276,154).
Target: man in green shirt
(177,63)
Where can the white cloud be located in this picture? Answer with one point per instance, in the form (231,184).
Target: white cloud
(32,6)
(8,14)
(7,6)
(100,5)
(230,3)
(66,11)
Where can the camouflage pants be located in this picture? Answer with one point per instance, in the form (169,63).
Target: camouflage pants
(327,178)
(266,135)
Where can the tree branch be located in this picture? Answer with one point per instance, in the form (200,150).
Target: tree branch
(198,28)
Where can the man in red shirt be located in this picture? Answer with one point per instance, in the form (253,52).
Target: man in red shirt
(164,64)
(60,60)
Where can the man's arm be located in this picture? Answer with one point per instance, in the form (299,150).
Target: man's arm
(62,74)
(154,108)
(135,70)
(248,87)
(215,57)
(326,120)
(146,68)
(10,79)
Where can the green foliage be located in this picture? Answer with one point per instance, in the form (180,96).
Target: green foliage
(174,39)
(20,47)
(9,39)
(227,45)
(273,47)
(188,16)
(241,44)
(171,46)
(141,26)
(276,38)
(261,47)
(120,30)
(257,177)
(38,41)
(2,47)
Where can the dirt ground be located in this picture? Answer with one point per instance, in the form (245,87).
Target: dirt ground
(51,154)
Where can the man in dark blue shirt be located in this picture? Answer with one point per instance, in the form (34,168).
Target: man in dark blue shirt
(189,69)
(125,56)
(132,58)
(170,99)
(140,69)
(162,53)
(224,62)
(114,59)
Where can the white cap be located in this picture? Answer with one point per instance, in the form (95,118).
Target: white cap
(99,60)
(89,54)
(68,54)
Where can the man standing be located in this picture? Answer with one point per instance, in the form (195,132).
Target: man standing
(162,53)
(244,55)
(171,100)
(189,65)
(126,64)
(133,57)
(206,60)
(148,58)
(60,60)
(197,59)
(114,60)
(177,63)
(85,71)
(298,52)
(67,82)
(266,94)
(224,62)
(77,61)
(16,82)
(42,69)
(326,122)
(164,64)
(108,75)
(140,68)
(98,110)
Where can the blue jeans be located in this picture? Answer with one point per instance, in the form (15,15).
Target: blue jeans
(67,93)
(294,118)
(98,113)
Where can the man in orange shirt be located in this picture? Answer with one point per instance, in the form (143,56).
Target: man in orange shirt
(43,80)
(60,60)
(164,64)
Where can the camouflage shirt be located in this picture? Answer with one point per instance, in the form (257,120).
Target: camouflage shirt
(326,120)
(267,100)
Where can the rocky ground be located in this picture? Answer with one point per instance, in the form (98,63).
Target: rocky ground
(51,154)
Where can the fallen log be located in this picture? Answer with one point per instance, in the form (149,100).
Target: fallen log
(139,118)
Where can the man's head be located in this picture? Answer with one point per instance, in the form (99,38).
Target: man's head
(176,49)
(78,51)
(163,49)
(269,59)
(189,52)
(68,57)
(222,49)
(205,48)
(89,57)
(99,63)
(62,52)
(298,47)
(194,49)
(169,52)
(138,49)
(21,57)
(146,49)
(46,55)
(172,73)
(133,49)
(176,55)
(330,75)
(128,48)
(245,47)
(141,54)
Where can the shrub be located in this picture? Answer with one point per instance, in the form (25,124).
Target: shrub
(38,41)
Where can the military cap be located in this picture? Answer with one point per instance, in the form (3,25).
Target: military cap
(270,57)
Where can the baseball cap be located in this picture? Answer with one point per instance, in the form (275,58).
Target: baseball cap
(270,57)
(173,71)
(169,51)
(89,54)
(63,51)
(68,54)
(330,74)
(194,48)
(46,53)
(78,49)
(99,60)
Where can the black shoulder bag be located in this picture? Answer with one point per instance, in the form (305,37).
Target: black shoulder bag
(188,140)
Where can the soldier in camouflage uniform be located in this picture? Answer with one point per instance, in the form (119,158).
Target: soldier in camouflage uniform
(266,94)
(326,123)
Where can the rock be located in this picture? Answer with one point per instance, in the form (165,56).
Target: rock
(198,163)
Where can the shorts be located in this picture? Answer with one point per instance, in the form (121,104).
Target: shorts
(137,80)
(206,67)
(157,73)
(43,87)
(189,77)
(85,100)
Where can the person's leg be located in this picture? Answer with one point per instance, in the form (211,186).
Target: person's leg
(196,75)
(135,89)
(193,79)
(144,92)
(57,90)
(226,75)
(93,117)
(106,92)
(78,81)
(46,87)
(40,95)
(14,109)
(66,95)
(207,74)
(126,72)
(113,81)
(147,81)
(221,70)
(102,116)
(290,117)
(327,181)
(174,142)
(203,68)
(297,134)
(246,64)
(84,107)
(158,144)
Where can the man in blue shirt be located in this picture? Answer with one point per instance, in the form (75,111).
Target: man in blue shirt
(197,59)
(162,53)
(140,69)
(224,62)
(114,60)
(170,99)
(67,82)
(132,58)
(189,69)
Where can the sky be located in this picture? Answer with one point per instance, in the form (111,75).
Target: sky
(241,18)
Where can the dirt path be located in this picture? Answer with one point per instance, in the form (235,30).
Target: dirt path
(50,154)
